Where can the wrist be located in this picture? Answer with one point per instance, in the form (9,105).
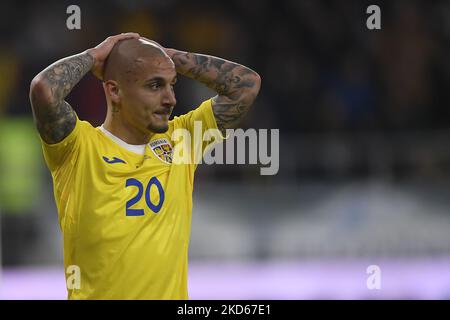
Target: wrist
(92,53)
(172,52)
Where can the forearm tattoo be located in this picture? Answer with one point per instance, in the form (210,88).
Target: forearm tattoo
(55,118)
(237,86)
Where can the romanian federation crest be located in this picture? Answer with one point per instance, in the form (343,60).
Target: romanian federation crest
(162,149)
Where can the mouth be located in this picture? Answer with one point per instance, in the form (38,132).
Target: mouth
(162,115)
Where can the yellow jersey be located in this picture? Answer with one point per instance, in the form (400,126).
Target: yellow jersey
(125,216)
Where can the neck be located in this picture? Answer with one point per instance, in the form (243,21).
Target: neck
(123,130)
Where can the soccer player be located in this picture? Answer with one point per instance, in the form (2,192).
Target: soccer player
(124,205)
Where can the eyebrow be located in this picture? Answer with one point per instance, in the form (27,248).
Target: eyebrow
(160,79)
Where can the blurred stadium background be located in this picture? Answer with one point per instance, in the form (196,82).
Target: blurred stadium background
(364,145)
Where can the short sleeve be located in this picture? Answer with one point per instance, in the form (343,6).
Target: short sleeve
(65,151)
(202,127)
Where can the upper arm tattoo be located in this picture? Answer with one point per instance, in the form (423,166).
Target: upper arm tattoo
(56,122)
(237,86)
(228,113)
(54,117)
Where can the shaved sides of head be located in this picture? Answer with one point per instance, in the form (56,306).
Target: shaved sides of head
(127,57)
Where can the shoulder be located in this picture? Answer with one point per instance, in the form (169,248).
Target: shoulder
(202,112)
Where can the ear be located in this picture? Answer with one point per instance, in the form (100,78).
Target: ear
(112,91)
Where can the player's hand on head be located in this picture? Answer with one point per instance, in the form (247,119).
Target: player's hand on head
(101,51)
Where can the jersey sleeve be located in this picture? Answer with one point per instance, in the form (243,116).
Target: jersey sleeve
(201,125)
(64,152)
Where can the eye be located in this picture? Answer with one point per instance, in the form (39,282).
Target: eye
(154,85)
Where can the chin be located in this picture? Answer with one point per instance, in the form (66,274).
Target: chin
(158,129)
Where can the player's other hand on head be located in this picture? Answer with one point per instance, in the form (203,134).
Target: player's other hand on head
(100,52)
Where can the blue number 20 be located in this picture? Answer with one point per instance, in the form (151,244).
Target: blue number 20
(136,183)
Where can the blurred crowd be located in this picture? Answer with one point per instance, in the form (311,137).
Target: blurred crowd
(322,69)
(325,75)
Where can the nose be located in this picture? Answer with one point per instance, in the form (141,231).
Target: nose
(168,99)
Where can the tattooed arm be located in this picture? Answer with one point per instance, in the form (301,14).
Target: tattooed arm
(236,85)
(54,117)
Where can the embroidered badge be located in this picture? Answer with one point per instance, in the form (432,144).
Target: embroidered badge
(162,149)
